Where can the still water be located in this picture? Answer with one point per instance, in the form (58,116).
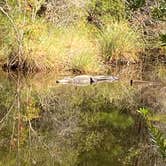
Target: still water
(47,124)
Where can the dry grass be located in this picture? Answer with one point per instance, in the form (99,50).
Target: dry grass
(46,47)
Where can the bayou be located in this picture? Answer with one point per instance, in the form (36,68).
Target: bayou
(82,82)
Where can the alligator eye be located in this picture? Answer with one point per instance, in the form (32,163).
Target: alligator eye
(57,81)
(91,80)
(131,82)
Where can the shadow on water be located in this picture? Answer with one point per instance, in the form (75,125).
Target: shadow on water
(44,123)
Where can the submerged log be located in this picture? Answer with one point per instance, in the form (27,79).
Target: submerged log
(142,82)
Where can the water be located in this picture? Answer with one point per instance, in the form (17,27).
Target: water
(48,124)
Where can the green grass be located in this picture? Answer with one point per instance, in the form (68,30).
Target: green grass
(77,48)
(120,42)
(62,49)
(46,47)
(135,4)
(82,50)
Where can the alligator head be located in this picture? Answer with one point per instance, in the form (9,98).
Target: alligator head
(65,80)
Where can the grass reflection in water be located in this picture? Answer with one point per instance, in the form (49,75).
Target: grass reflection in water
(67,125)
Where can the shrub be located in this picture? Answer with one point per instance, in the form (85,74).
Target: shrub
(101,12)
(159,11)
(7,38)
(36,45)
(163,39)
(119,41)
(135,4)
(65,12)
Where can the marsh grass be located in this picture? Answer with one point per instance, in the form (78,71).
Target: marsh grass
(120,42)
(74,48)
(43,45)
(82,51)
(160,72)
(46,47)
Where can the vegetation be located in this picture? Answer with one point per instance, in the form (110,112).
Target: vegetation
(117,40)
(157,137)
(75,36)
(159,11)
(43,123)
(102,124)
(163,39)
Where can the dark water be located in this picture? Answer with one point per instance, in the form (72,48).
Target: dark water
(47,124)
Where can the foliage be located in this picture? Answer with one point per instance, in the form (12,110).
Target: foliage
(114,118)
(159,11)
(80,50)
(119,41)
(144,112)
(157,137)
(46,47)
(163,39)
(34,55)
(77,36)
(7,42)
(101,12)
(64,13)
(135,4)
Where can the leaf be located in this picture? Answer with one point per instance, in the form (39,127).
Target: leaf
(143,111)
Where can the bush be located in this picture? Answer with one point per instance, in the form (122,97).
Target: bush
(101,12)
(119,41)
(135,4)
(163,39)
(35,43)
(159,11)
(65,12)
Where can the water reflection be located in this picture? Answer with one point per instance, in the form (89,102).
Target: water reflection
(42,123)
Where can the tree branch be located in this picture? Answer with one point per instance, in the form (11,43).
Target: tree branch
(13,24)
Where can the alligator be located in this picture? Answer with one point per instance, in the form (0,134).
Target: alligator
(86,79)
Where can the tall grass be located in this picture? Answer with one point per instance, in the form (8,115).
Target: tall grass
(46,47)
(64,49)
(6,41)
(81,50)
(119,41)
(73,48)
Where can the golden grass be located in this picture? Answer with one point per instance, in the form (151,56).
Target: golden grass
(46,47)
(120,42)
(62,49)
(75,48)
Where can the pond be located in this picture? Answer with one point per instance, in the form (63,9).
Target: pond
(48,124)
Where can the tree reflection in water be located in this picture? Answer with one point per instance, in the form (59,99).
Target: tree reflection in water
(66,125)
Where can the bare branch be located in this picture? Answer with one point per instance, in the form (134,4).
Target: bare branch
(7,114)
(13,24)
